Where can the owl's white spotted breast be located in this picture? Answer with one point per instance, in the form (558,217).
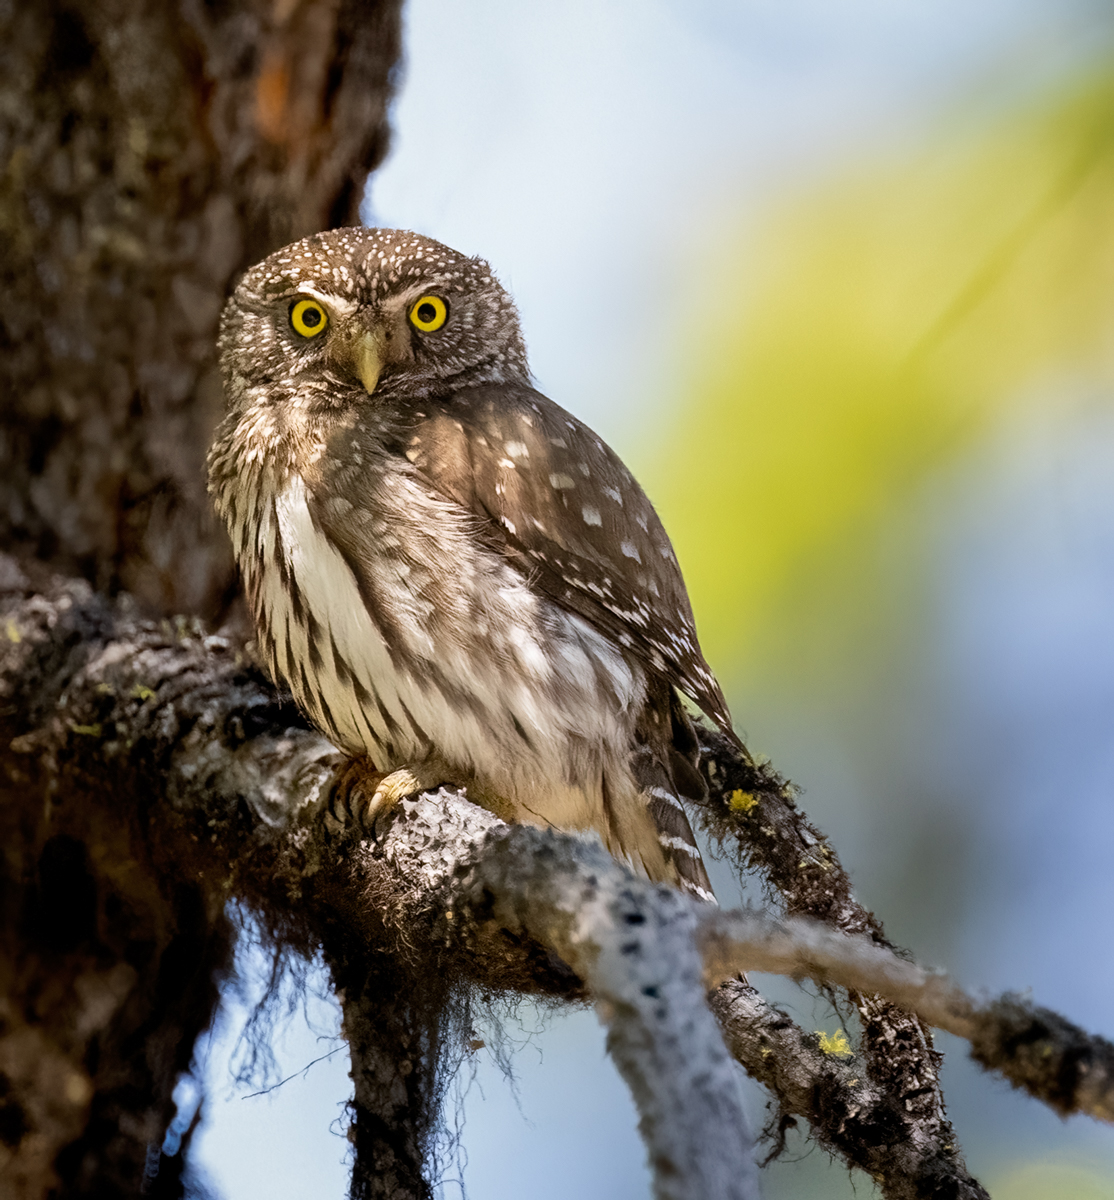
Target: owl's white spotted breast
(533,727)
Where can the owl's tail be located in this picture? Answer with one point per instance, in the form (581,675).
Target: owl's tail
(664,765)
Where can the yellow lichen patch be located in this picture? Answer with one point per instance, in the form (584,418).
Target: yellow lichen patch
(740,801)
(88,730)
(835,1043)
(141,693)
(13,632)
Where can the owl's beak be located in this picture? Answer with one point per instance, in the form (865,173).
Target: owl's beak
(367,358)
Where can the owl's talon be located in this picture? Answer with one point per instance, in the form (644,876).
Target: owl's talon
(390,789)
(356,780)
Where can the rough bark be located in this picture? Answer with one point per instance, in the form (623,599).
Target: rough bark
(149,152)
(636,947)
(398,1053)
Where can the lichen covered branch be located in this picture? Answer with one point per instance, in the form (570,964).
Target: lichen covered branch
(752,810)
(634,944)
(170,733)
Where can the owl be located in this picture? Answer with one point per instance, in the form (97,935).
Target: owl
(456,578)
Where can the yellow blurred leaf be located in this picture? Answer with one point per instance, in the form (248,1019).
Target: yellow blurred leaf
(876,328)
(1044,1180)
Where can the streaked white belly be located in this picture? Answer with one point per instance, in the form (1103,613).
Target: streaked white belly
(538,728)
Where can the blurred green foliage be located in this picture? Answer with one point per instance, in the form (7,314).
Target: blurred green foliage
(868,332)
(854,355)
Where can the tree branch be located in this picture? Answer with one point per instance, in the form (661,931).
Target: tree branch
(753,809)
(92,693)
(635,946)
(1034,1048)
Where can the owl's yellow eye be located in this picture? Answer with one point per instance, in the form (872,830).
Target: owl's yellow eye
(429,313)
(308,318)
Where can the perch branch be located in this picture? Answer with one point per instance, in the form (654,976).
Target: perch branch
(237,793)
(634,945)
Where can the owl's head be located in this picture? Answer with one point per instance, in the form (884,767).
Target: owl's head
(352,312)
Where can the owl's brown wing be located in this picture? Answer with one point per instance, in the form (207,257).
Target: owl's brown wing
(563,508)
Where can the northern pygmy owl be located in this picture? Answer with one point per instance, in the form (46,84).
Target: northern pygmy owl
(454,576)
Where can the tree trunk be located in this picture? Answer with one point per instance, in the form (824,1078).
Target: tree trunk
(149,152)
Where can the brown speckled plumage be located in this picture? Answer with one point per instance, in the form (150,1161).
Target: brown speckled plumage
(448,568)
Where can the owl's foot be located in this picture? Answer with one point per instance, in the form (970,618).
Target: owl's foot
(405,781)
(370,796)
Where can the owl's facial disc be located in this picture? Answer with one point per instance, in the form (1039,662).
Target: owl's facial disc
(360,347)
(361,312)
(381,338)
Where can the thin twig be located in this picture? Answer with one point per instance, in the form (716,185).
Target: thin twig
(275,1086)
